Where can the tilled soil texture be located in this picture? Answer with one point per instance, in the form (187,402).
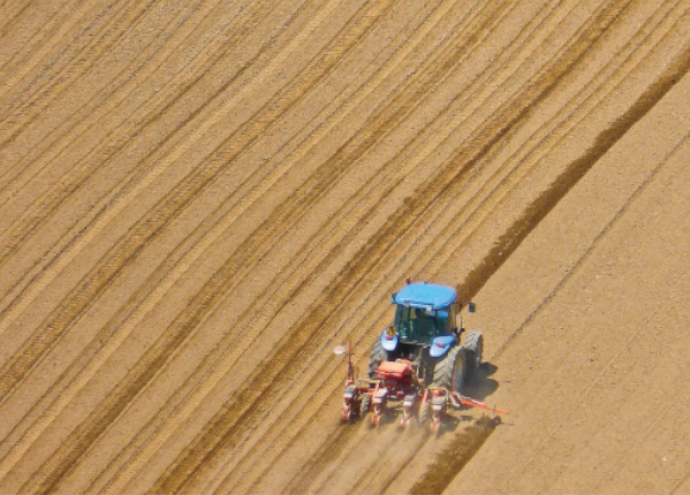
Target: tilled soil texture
(200,200)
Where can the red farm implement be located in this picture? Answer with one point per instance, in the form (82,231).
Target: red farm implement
(396,386)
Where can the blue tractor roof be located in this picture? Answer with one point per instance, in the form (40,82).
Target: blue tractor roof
(423,295)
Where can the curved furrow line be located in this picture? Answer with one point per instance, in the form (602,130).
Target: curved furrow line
(87,60)
(143,172)
(154,221)
(127,248)
(587,36)
(64,26)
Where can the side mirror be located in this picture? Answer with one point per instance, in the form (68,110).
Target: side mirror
(471,307)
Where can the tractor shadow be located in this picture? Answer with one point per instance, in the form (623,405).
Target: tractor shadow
(480,386)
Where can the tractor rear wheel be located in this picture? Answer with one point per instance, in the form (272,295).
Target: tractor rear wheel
(449,372)
(474,349)
(375,357)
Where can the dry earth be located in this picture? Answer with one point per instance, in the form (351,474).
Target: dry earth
(200,199)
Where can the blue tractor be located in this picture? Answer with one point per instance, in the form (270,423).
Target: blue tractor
(426,331)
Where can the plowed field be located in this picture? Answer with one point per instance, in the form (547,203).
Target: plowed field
(200,199)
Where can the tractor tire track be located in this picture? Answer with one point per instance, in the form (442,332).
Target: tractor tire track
(78,60)
(148,176)
(538,210)
(11,18)
(547,200)
(51,26)
(128,83)
(577,170)
(680,68)
(107,201)
(193,256)
(9,186)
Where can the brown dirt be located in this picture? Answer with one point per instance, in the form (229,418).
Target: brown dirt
(201,200)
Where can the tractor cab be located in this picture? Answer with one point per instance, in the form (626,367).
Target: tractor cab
(425,317)
(420,326)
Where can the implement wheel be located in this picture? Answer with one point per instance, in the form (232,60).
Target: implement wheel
(424,410)
(375,357)
(364,406)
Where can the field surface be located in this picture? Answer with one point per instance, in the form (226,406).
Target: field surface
(201,199)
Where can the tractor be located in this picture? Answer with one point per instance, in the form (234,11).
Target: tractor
(426,331)
(418,360)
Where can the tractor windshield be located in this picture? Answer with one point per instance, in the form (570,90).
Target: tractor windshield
(420,325)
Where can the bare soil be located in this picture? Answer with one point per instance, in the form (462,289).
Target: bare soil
(200,200)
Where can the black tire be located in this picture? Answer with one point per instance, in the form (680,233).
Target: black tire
(375,357)
(364,406)
(449,372)
(474,351)
(426,367)
(424,413)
